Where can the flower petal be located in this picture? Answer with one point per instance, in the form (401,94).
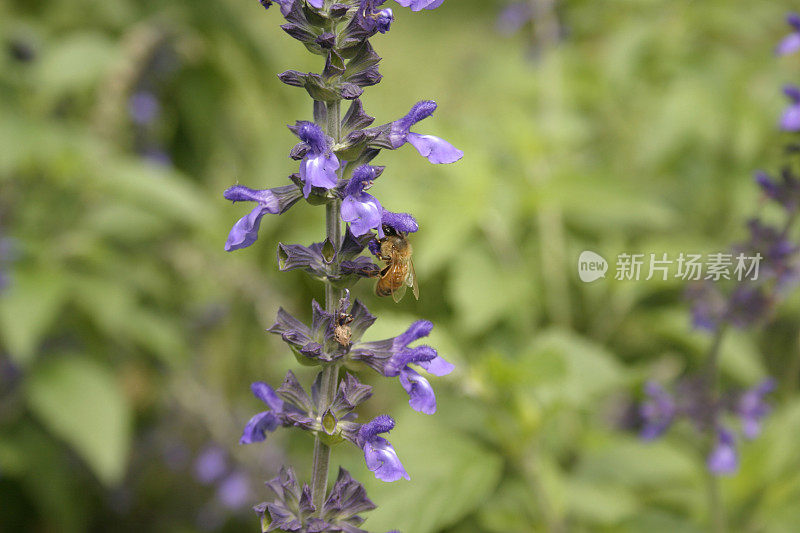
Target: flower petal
(258,426)
(419,5)
(436,150)
(363,212)
(245,231)
(383,461)
(438,366)
(420,392)
(318,171)
(267,394)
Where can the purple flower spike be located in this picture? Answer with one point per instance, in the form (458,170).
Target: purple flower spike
(319,165)
(752,408)
(436,150)
(723,458)
(361,210)
(378,453)
(270,201)
(790,43)
(790,121)
(316,3)
(401,222)
(658,411)
(419,5)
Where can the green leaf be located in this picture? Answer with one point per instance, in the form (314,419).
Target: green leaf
(599,503)
(76,62)
(590,368)
(81,402)
(27,309)
(451,475)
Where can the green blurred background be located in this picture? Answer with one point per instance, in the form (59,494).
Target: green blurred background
(128,337)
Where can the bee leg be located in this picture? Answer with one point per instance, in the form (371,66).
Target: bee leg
(385,270)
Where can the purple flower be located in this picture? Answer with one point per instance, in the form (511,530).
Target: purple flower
(372,20)
(319,165)
(391,358)
(360,209)
(723,458)
(281,413)
(752,407)
(400,222)
(436,150)
(258,426)
(272,201)
(790,43)
(384,19)
(316,3)
(790,120)
(419,5)
(143,107)
(211,465)
(378,453)
(658,411)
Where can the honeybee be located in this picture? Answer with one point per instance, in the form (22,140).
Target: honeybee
(399,273)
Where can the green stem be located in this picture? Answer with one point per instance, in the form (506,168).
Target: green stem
(330,373)
(715,504)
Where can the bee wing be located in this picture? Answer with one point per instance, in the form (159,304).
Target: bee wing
(411,280)
(398,294)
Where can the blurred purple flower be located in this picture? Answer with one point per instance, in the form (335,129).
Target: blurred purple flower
(157,156)
(143,107)
(234,491)
(211,465)
(784,190)
(752,408)
(658,411)
(790,43)
(790,120)
(723,458)
(513,17)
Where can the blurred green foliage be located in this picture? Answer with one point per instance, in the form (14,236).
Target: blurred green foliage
(127,333)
